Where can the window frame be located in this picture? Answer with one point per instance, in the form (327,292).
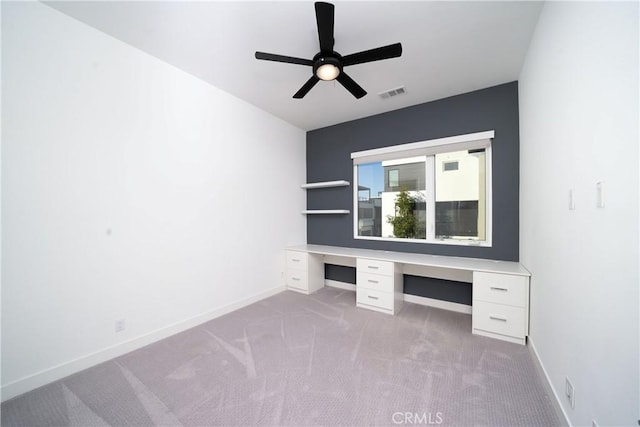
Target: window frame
(429,148)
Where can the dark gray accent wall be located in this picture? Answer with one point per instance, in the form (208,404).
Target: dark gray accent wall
(440,289)
(329,158)
(340,273)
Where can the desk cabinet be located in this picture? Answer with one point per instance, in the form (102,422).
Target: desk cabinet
(501,306)
(379,285)
(305,272)
(500,288)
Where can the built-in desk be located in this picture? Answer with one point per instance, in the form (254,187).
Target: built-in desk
(500,302)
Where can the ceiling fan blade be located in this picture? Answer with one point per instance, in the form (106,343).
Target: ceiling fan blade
(384,52)
(353,87)
(325,20)
(282,58)
(306,87)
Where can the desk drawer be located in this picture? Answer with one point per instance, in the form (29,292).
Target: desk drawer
(297,260)
(297,279)
(375,298)
(499,319)
(374,281)
(501,288)
(384,268)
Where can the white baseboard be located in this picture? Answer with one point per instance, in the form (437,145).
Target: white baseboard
(549,383)
(60,371)
(340,285)
(445,305)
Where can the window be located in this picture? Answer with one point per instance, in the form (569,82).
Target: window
(394,178)
(436,191)
(450,166)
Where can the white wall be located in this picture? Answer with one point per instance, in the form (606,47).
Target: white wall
(578,126)
(130,190)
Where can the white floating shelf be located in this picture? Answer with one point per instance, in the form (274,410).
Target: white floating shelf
(325,211)
(326,184)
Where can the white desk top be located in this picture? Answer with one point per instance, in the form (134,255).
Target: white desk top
(440,261)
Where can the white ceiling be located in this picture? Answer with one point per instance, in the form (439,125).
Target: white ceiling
(449,48)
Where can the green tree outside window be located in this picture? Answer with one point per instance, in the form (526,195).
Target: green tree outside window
(404,222)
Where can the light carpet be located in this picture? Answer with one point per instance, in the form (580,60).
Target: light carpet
(302,360)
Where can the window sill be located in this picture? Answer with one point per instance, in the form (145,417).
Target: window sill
(447,242)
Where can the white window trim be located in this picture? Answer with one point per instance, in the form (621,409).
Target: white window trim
(429,148)
(421,148)
(403,161)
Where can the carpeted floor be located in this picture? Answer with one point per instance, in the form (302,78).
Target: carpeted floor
(305,360)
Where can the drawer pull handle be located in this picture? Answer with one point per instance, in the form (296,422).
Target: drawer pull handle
(295,278)
(375,267)
(369,296)
(295,260)
(372,281)
(500,318)
(494,288)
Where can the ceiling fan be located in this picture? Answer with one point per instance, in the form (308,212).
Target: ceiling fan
(329,65)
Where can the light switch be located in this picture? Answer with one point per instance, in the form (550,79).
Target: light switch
(600,194)
(572,200)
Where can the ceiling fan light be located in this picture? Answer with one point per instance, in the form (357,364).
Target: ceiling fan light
(327,72)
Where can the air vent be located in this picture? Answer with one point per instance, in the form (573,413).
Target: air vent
(393,92)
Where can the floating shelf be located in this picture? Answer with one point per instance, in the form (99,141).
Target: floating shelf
(325,184)
(325,211)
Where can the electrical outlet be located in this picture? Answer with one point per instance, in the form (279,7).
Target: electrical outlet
(120,325)
(570,392)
